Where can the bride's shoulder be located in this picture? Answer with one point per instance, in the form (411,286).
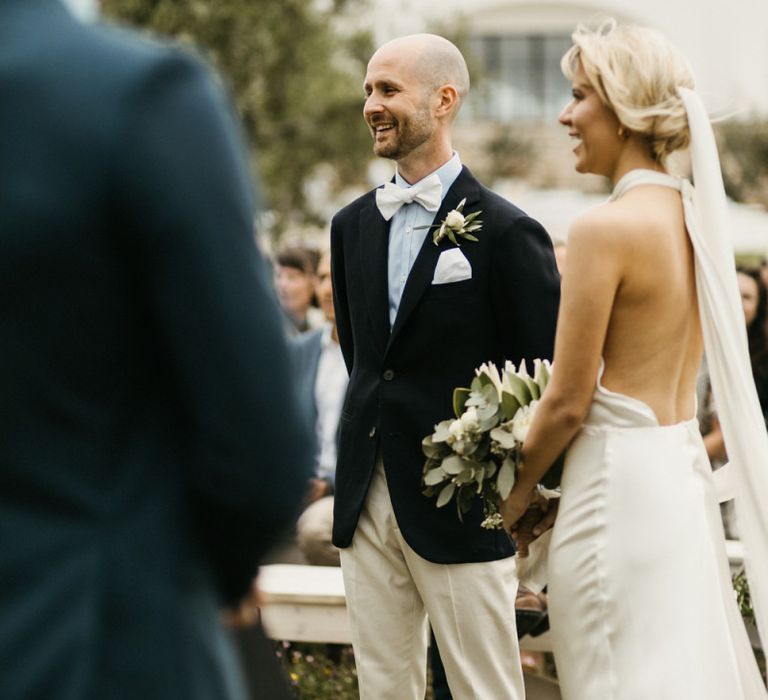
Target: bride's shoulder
(608,225)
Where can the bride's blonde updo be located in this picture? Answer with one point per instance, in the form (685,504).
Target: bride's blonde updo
(636,72)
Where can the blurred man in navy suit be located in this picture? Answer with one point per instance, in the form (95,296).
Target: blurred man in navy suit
(151,446)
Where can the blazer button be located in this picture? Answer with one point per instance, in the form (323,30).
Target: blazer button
(388,375)
(372,431)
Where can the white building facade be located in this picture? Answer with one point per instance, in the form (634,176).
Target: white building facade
(519,43)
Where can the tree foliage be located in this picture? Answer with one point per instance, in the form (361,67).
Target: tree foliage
(744,157)
(294,75)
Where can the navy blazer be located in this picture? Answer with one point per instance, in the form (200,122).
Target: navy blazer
(151,448)
(401,381)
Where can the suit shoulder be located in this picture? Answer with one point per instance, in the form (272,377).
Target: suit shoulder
(351,210)
(493,201)
(107,60)
(506,217)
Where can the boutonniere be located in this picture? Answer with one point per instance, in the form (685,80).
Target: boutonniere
(456,224)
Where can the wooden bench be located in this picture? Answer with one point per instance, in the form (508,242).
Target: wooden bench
(307,604)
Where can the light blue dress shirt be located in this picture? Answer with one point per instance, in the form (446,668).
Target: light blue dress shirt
(405,240)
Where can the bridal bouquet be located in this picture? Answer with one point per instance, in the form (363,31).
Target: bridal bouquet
(477,454)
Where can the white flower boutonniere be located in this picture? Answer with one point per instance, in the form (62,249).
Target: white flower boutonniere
(456,224)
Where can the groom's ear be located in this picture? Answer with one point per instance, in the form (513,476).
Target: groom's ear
(447,101)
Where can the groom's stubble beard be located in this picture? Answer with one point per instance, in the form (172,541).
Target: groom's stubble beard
(411,132)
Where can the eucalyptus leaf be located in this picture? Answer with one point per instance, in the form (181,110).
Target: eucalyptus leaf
(533,388)
(504,438)
(542,375)
(480,381)
(491,394)
(509,405)
(506,478)
(470,237)
(446,494)
(465,477)
(488,421)
(453,464)
(487,409)
(476,399)
(520,389)
(469,218)
(435,476)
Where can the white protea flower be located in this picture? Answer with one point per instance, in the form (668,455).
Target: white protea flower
(521,423)
(492,372)
(542,370)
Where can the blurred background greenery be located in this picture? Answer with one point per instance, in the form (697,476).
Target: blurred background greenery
(295,68)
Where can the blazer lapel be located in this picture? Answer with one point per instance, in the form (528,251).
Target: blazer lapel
(374,256)
(465,186)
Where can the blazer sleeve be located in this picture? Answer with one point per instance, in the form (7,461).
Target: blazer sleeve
(340,299)
(187,194)
(527,292)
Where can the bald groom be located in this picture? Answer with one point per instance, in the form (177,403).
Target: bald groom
(414,320)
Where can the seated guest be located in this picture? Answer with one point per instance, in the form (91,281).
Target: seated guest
(754,299)
(754,303)
(323,381)
(294,273)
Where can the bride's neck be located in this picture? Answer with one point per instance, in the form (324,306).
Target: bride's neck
(634,156)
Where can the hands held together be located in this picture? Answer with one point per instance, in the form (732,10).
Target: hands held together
(527,514)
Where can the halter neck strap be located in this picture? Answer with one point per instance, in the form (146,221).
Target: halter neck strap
(644,177)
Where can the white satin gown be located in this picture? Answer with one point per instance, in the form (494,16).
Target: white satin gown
(640,598)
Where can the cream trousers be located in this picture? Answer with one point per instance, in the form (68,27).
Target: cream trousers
(390,592)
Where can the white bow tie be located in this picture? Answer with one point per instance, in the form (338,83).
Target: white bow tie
(427,192)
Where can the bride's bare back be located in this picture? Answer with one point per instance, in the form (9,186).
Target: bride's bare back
(653,341)
(629,297)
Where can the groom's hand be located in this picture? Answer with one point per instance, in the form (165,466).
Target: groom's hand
(537,519)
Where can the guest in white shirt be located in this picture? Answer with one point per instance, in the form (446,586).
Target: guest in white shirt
(323,383)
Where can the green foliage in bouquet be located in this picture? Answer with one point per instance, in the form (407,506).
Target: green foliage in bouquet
(477,453)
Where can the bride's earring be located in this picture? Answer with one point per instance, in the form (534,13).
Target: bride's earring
(623,133)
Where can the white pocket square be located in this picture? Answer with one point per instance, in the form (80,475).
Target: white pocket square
(452,266)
